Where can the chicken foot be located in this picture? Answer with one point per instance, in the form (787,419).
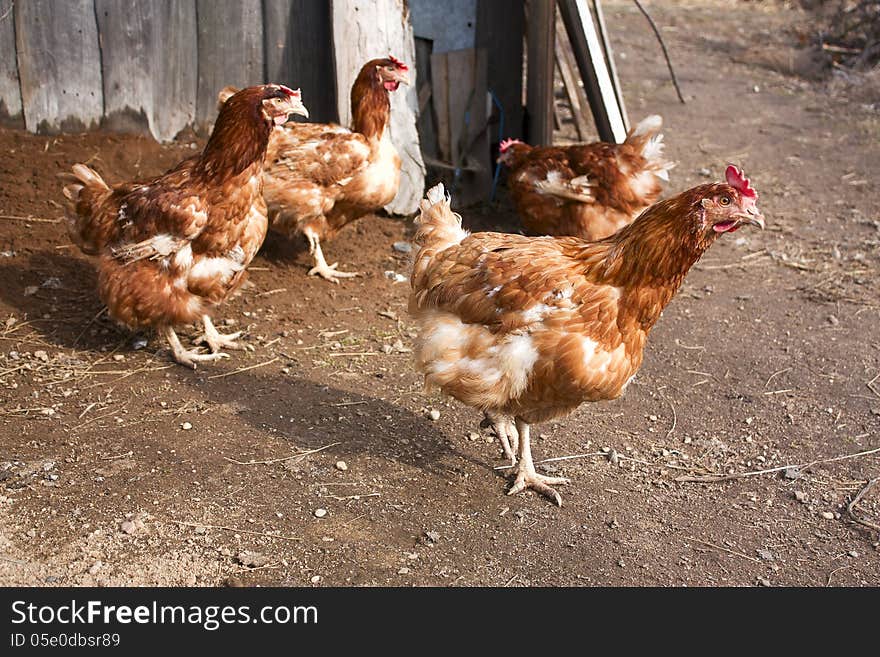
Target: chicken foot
(188,357)
(217,341)
(321,268)
(526,475)
(506,432)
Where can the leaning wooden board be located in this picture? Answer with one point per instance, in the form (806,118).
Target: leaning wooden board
(230,42)
(366,29)
(10,90)
(59,64)
(148,60)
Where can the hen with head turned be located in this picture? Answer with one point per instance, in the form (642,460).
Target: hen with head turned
(172,248)
(529,328)
(586,190)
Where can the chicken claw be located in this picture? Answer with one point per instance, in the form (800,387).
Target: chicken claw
(506,432)
(321,268)
(537,482)
(217,341)
(526,476)
(188,357)
(329,273)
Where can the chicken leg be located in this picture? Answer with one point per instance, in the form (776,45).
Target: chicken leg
(526,476)
(187,357)
(216,340)
(321,268)
(506,432)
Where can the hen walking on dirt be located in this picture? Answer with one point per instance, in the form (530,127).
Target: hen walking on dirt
(174,247)
(586,190)
(530,328)
(321,177)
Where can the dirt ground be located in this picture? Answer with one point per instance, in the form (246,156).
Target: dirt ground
(120,468)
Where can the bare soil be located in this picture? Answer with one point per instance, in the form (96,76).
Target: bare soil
(120,468)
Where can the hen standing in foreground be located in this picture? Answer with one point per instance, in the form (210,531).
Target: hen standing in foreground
(586,190)
(320,177)
(174,247)
(533,327)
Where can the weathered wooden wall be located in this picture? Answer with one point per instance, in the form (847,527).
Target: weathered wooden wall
(59,64)
(10,89)
(156,65)
(148,59)
(362,30)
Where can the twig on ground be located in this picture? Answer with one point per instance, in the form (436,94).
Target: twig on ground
(36,220)
(232,529)
(755,473)
(831,574)
(663,46)
(243,369)
(858,498)
(118,456)
(775,374)
(558,458)
(283,458)
(724,549)
(11,560)
(872,387)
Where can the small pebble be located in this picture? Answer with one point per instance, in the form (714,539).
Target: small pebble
(402,247)
(341,465)
(853,553)
(95,568)
(320,513)
(315,579)
(473,435)
(186,426)
(118,358)
(403,571)
(434,414)
(801,496)
(827,515)
(764,581)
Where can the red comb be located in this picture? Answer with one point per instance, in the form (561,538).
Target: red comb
(738,181)
(399,64)
(507,143)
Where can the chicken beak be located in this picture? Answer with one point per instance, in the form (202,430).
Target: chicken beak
(752,217)
(295,106)
(401,77)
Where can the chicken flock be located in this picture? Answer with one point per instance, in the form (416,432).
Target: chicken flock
(522,328)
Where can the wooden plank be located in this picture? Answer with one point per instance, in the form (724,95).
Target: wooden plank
(440,90)
(298,44)
(577,97)
(230,51)
(462,71)
(10,89)
(609,58)
(476,183)
(426,121)
(149,62)
(500,28)
(593,69)
(539,78)
(362,30)
(59,64)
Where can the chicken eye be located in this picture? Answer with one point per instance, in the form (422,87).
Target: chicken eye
(725,200)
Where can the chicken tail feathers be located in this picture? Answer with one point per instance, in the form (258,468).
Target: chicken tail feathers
(647,140)
(86,191)
(438,226)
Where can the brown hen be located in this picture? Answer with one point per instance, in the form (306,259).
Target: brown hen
(586,190)
(321,177)
(174,247)
(530,328)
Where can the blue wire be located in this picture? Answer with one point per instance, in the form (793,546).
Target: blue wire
(497,104)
